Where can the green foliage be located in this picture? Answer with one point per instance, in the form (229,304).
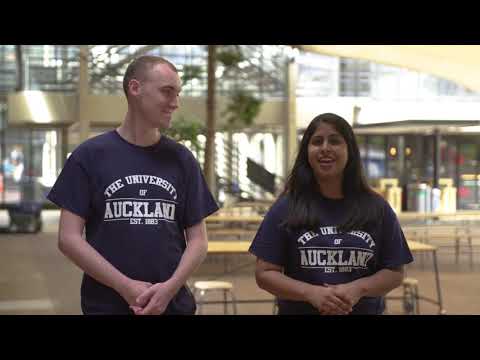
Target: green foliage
(242,109)
(230,57)
(191,72)
(183,129)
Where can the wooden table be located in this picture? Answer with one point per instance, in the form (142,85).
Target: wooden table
(252,219)
(229,247)
(242,246)
(228,216)
(459,215)
(233,247)
(237,247)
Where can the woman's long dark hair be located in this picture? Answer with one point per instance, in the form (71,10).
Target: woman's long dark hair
(361,205)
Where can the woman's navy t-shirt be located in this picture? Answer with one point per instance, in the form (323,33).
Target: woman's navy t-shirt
(324,255)
(136,201)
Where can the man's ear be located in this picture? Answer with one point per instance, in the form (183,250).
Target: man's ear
(134,87)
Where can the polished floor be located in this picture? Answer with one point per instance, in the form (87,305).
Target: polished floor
(35,278)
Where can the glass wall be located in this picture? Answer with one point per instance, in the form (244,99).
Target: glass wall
(323,75)
(31,160)
(469,174)
(317,75)
(8,69)
(260,70)
(410,158)
(448,157)
(51,67)
(355,77)
(376,159)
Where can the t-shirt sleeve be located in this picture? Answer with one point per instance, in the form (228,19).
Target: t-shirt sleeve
(270,242)
(72,190)
(199,202)
(394,250)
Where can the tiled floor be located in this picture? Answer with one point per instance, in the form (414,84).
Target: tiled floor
(35,278)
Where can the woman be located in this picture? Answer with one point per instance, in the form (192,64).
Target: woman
(329,245)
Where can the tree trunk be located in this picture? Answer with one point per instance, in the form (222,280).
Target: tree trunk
(20,74)
(208,166)
(230,158)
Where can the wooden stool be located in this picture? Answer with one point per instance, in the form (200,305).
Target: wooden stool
(411,299)
(275,307)
(202,287)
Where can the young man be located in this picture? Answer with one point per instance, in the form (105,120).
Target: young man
(141,198)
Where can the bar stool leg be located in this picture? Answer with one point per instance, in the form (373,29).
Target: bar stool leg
(234,302)
(385,306)
(194,293)
(470,246)
(202,294)
(225,308)
(417,300)
(457,249)
(408,301)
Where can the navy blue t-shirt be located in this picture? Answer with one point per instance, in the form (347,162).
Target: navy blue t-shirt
(324,255)
(136,201)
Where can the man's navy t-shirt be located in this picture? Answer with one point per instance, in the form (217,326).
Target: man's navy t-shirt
(324,255)
(136,201)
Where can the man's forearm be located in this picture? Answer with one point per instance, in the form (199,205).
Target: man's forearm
(195,253)
(92,263)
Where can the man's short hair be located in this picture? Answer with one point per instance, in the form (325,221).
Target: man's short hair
(138,68)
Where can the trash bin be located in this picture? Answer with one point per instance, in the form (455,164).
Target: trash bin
(424,198)
(419,197)
(25,214)
(435,200)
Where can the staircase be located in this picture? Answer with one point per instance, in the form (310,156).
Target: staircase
(238,176)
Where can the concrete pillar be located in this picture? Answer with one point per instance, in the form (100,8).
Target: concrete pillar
(436,157)
(82,93)
(64,145)
(291,118)
(229,154)
(402,176)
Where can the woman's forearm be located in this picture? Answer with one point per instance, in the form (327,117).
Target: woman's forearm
(283,286)
(380,283)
